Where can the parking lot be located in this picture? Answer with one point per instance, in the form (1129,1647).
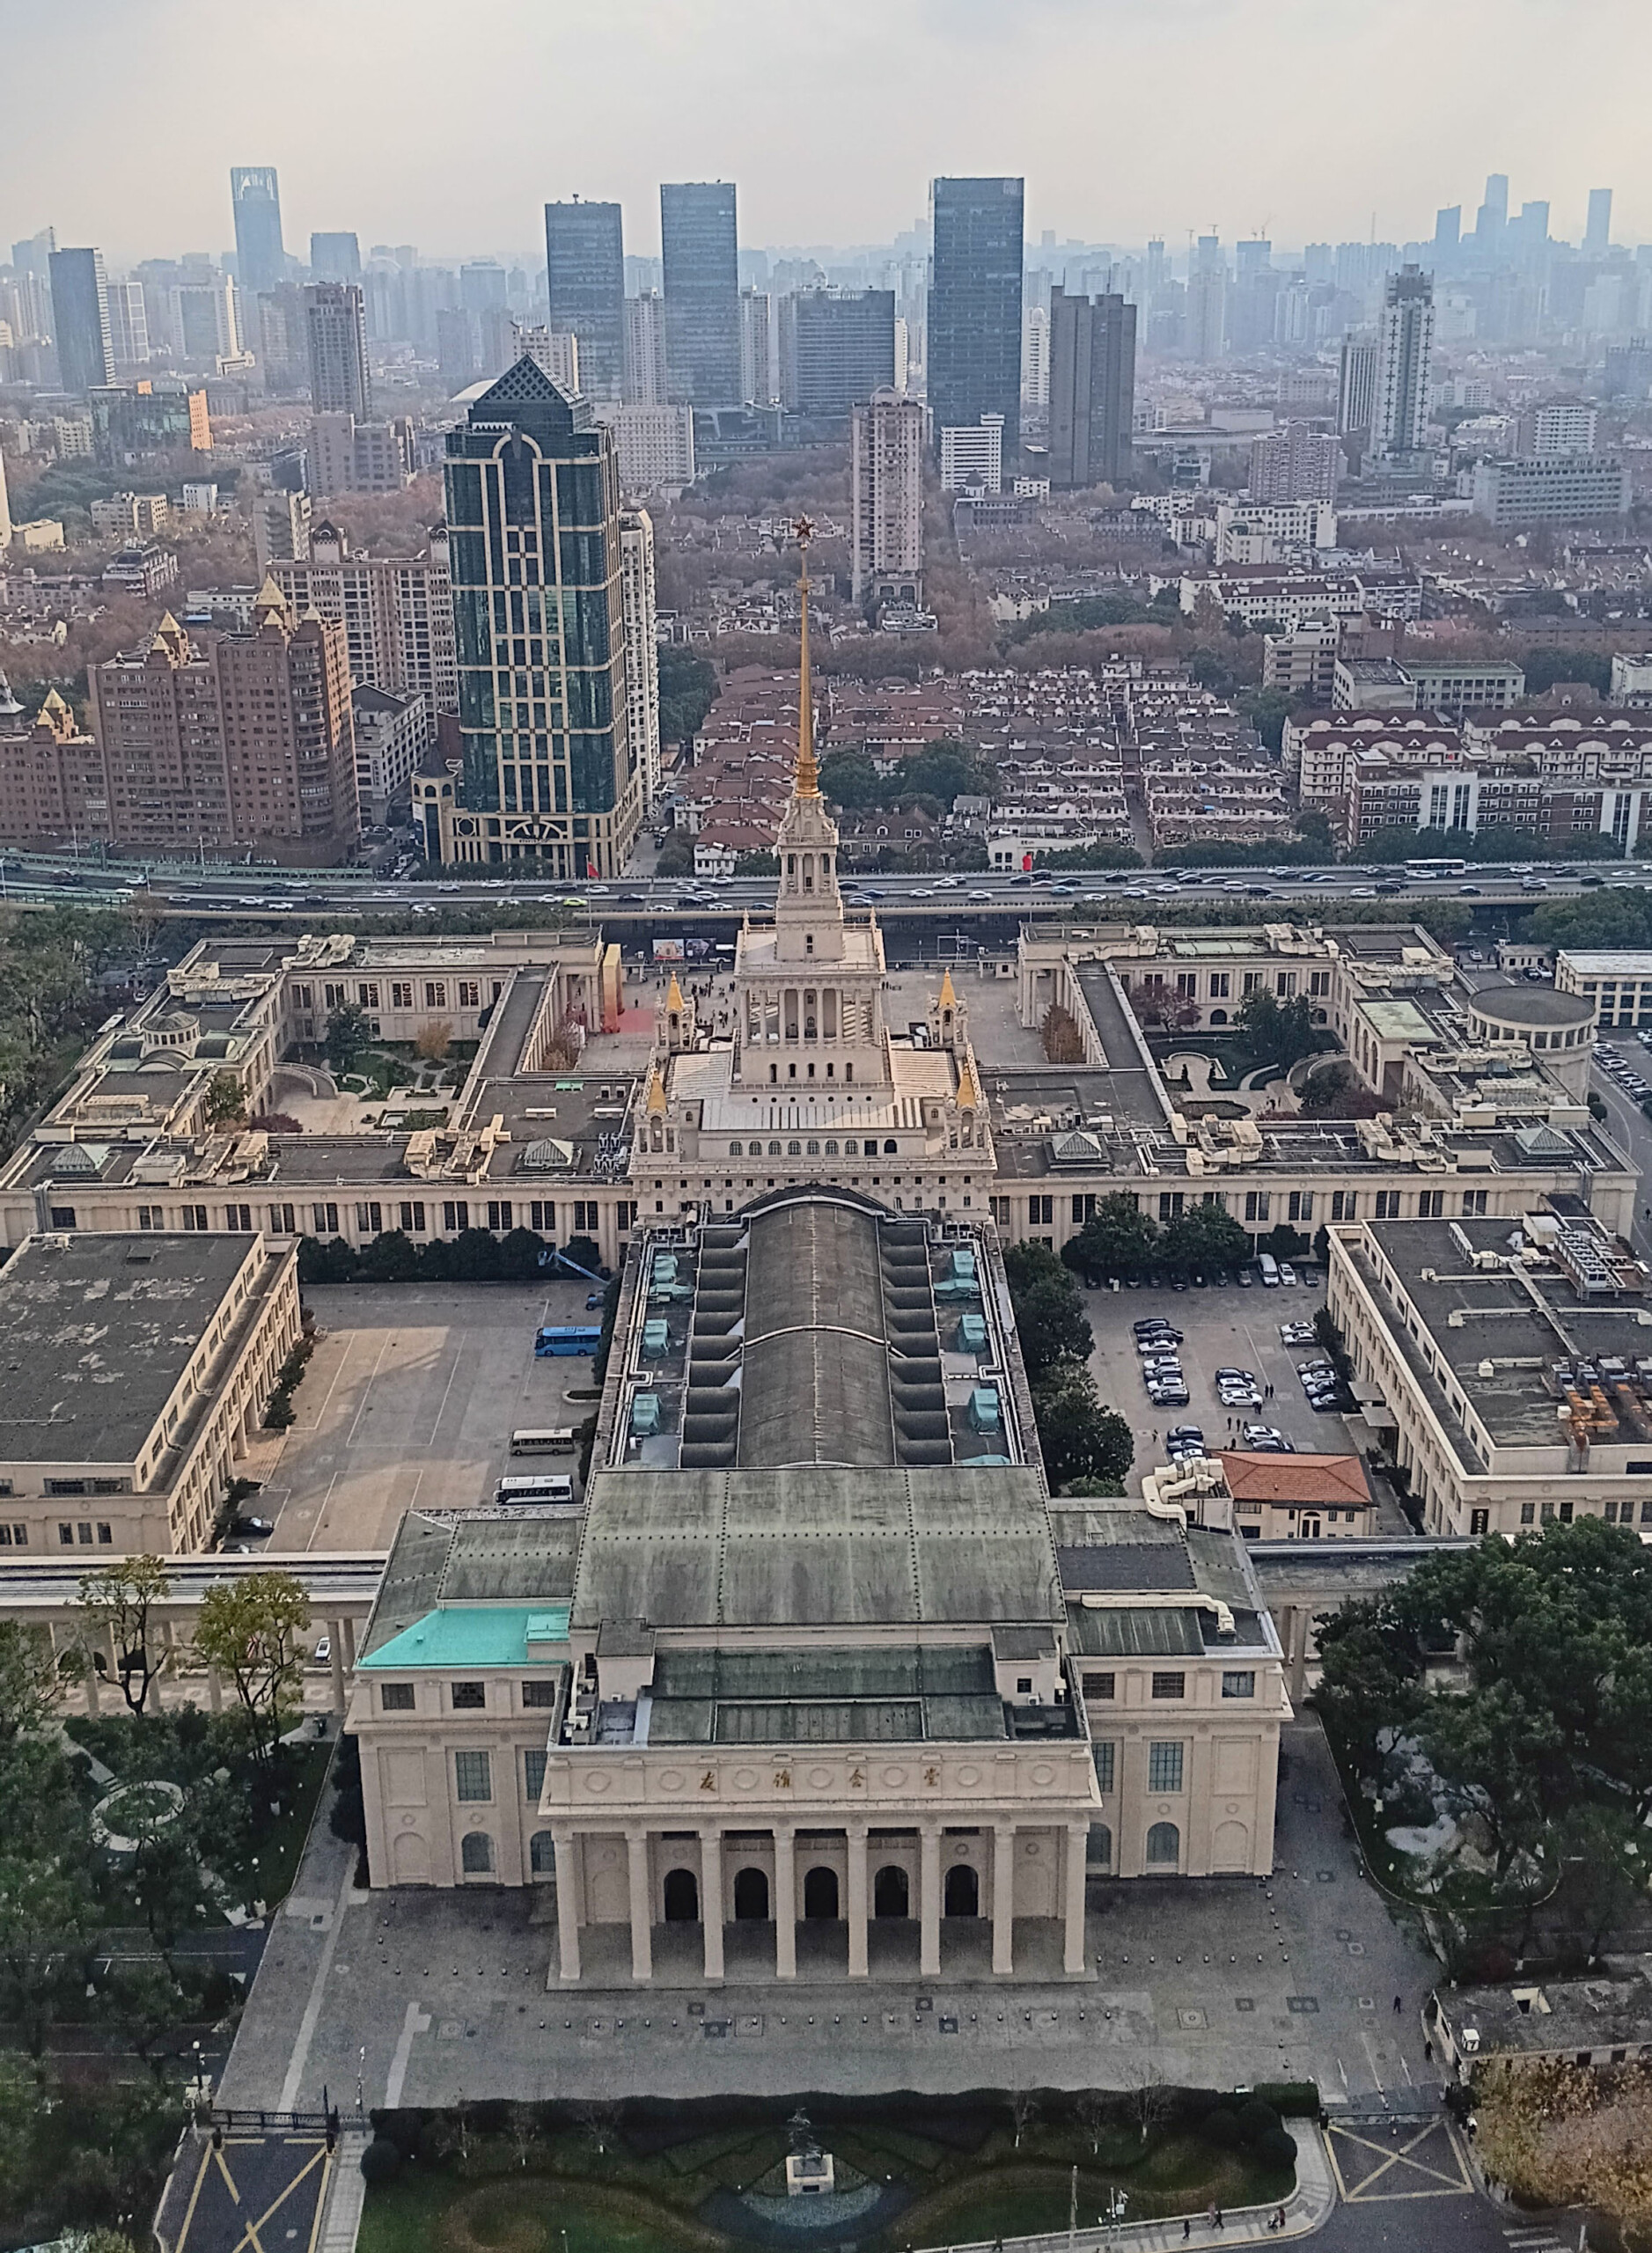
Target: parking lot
(410,1397)
(1223,1327)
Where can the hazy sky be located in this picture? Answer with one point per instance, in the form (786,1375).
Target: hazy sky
(448,125)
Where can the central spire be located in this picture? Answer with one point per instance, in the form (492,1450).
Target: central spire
(806,781)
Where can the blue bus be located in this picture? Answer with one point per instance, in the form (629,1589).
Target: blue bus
(568,1338)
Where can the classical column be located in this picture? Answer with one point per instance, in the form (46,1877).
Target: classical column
(857,1900)
(567,1901)
(785,1903)
(1003,1896)
(215,1689)
(335,1646)
(350,1644)
(1077,1849)
(930,1901)
(642,1907)
(711,1900)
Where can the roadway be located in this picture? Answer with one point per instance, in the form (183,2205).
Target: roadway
(37,879)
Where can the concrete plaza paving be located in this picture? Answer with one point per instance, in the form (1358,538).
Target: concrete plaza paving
(1206,1982)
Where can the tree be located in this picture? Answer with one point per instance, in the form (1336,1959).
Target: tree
(1275,1032)
(29,1687)
(224,1099)
(1267,709)
(348,1034)
(849,779)
(1050,1320)
(1077,1437)
(688,691)
(117,1603)
(1158,1004)
(1314,828)
(433,1040)
(1118,1242)
(249,1630)
(1205,1240)
(676,857)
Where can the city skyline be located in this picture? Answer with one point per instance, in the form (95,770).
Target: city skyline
(1358,152)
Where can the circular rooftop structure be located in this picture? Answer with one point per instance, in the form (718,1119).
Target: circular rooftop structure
(1513,1010)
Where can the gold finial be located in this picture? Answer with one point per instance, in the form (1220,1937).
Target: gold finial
(806,783)
(674,993)
(948,998)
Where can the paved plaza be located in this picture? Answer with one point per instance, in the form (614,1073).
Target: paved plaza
(1213,1983)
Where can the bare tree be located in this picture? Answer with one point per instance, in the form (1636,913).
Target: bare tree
(117,1601)
(1023,2113)
(1092,2108)
(1151,2100)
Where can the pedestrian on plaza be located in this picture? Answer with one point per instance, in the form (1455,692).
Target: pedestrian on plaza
(1428,2052)
(1219,2218)
(1188,2228)
(1397,2004)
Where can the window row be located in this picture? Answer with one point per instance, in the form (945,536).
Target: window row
(794,1148)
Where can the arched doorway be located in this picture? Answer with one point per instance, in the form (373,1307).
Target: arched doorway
(821,1893)
(682,1897)
(1163,1847)
(751,1895)
(963,1891)
(889,1891)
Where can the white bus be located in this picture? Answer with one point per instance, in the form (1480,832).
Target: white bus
(546,1487)
(557,1441)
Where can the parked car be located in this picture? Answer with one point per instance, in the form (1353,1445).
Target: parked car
(259,1527)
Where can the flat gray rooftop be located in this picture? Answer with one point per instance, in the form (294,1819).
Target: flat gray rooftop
(882,1545)
(1529,1325)
(95,1332)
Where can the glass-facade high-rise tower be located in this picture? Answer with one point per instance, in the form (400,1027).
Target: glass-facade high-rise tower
(702,292)
(260,260)
(80,320)
(585,266)
(535,553)
(974,323)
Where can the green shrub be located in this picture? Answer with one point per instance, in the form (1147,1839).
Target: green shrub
(380,2160)
(1292,2100)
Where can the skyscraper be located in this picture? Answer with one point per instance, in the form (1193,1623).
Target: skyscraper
(887,490)
(642,651)
(645,381)
(1491,219)
(80,319)
(128,324)
(1356,387)
(837,346)
(585,268)
(973,348)
(337,323)
(1092,389)
(1598,233)
(550,772)
(1404,358)
(336,258)
(702,292)
(1206,301)
(759,377)
(1448,228)
(260,261)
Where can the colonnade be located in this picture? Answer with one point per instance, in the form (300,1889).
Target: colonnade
(708,1849)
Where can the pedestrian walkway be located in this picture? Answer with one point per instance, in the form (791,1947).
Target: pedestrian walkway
(1308,2208)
